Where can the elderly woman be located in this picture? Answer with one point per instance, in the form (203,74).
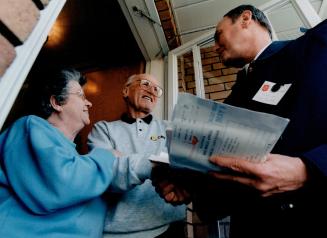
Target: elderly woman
(46,188)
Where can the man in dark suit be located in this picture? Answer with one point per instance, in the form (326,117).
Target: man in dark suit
(282,196)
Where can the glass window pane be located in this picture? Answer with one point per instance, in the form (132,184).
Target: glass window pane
(186,79)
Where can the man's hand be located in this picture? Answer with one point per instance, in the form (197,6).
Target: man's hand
(277,174)
(173,193)
(168,186)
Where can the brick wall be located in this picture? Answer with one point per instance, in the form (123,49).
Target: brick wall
(168,23)
(218,79)
(17,20)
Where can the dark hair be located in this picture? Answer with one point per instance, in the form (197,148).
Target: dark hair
(257,15)
(57,85)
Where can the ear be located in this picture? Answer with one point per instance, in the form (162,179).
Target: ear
(55,105)
(246,17)
(125,92)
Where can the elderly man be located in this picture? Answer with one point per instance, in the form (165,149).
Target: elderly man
(281,196)
(140,212)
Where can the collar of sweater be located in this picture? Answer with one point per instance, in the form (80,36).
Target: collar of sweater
(129,120)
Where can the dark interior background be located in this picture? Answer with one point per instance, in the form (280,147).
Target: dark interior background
(96,39)
(95,35)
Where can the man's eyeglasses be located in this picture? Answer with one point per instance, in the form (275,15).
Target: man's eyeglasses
(79,94)
(148,85)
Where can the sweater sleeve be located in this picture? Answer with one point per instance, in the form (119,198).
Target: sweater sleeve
(45,171)
(129,170)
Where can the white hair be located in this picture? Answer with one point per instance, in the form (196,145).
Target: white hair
(130,79)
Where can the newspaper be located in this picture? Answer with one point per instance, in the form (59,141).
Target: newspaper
(201,128)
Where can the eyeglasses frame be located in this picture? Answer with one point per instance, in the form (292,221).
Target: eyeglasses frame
(151,85)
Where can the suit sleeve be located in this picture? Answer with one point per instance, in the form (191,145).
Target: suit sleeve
(314,62)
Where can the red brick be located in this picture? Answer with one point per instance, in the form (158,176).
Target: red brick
(211,74)
(222,79)
(218,66)
(188,65)
(230,71)
(189,78)
(211,54)
(188,54)
(161,5)
(164,15)
(19,16)
(191,91)
(214,88)
(229,85)
(7,52)
(207,49)
(189,71)
(181,83)
(190,85)
(188,59)
(220,95)
(206,68)
(166,24)
(210,60)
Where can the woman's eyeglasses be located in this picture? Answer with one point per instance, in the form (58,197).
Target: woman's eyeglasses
(80,94)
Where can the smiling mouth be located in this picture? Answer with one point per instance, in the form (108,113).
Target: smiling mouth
(147,98)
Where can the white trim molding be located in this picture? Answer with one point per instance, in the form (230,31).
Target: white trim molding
(306,12)
(13,79)
(146,28)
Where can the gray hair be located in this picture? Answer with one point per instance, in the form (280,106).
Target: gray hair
(57,85)
(131,79)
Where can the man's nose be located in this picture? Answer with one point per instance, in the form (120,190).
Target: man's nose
(151,89)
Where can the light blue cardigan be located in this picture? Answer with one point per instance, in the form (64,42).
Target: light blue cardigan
(47,189)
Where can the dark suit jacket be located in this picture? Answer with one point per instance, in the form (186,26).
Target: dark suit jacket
(303,64)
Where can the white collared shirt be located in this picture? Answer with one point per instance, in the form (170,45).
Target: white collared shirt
(257,56)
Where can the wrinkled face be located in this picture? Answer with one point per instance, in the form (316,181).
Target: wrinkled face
(76,109)
(142,94)
(229,42)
